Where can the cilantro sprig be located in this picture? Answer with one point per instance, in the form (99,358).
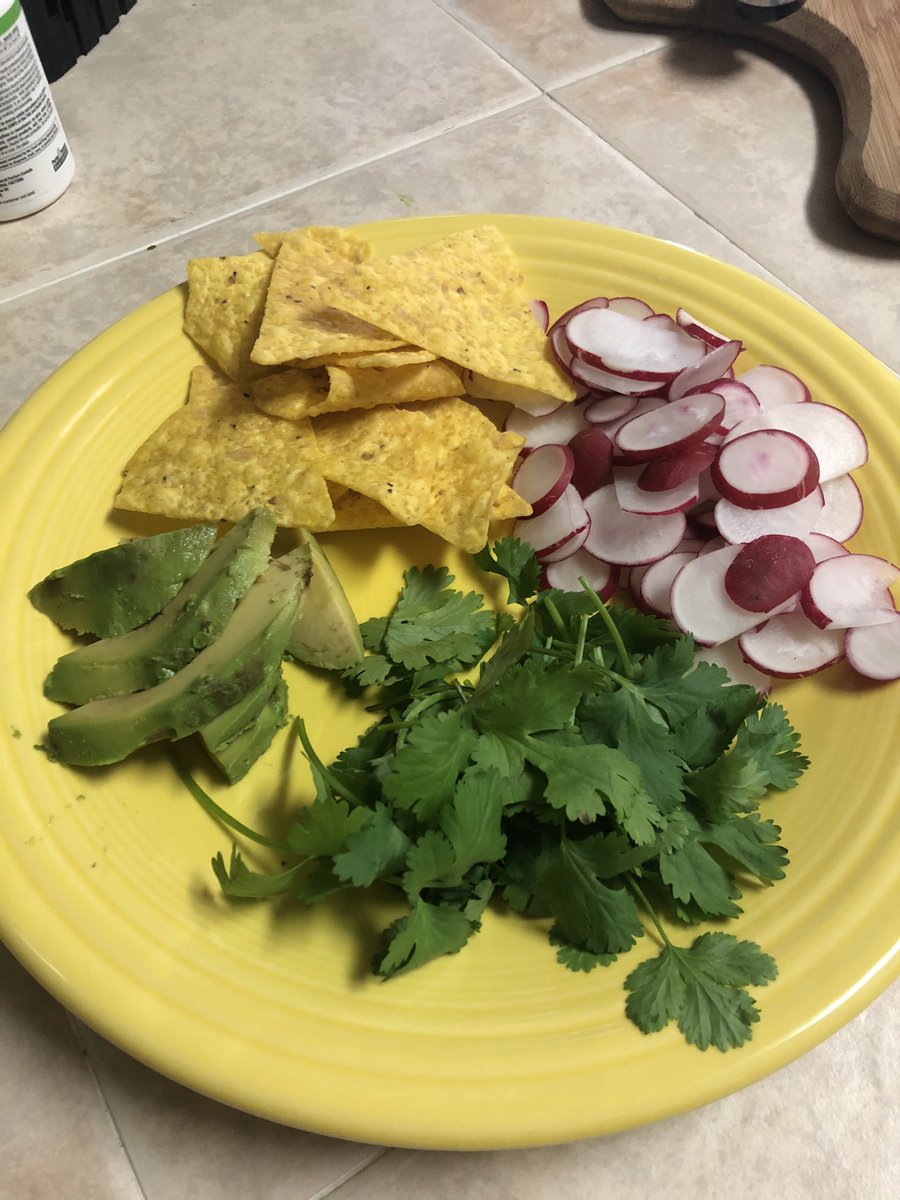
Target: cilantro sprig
(571,761)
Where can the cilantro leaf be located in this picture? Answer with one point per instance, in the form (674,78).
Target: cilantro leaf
(239,881)
(429,931)
(425,768)
(771,741)
(751,842)
(323,828)
(574,957)
(516,563)
(694,875)
(472,822)
(429,861)
(702,988)
(376,849)
(433,623)
(600,919)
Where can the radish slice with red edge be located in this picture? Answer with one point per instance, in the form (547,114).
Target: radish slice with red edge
(584,306)
(609,407)
(843,512)
(670,429)
(662,474)
(698,330)
(569,547)
(824,546)
(565,574)
(737,524)
(791,647)
(631,307)
(643,404)
(740,402)
(634,499)
(650,349)
(774,386)
(628,539)
(593,377)
(728,656)
(835,438)
(654,593)
(541,313)
(550,531)
(850,590)
(706,371)
(542,477)
(874,650)
(767,468)
(555,428)
(701,606)
(768,571)
(592,454)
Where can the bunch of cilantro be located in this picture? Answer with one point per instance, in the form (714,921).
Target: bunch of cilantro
(570,761)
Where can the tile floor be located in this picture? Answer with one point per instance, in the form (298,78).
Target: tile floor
(194,123)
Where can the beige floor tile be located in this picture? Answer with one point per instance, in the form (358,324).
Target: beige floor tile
(166,138)
(556,41)
(748,139)
(534,159)
(186,1147)
(58,1140)
(835,1142)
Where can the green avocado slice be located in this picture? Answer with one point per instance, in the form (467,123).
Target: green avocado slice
(115,590)
(236,756)
(190,621)
(108,730)
(326,633)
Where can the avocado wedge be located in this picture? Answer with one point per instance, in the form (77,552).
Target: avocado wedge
(115,590)
(326,633)
(235,757)
(108,730)
(193,619)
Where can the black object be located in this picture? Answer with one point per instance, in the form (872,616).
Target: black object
(766,10)
(64,30)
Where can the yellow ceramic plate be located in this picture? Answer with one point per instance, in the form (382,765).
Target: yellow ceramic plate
(108,898)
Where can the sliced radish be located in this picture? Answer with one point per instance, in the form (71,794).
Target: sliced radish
(698,330)
(850,590)
(790,647)
(874,650)
(610,407)
(700,604)
(543,476)
(738,524)
(566,549)
(584,306)
(704,372)
(541,313)
(688,463)
(643,404)
(824,546)
(836,440)
(631,306)
(555,428)
(768,571)
(843,512)
(565,574)
(537,404)
(728,656)
(774,386)
(592,453)
(671,428)
(740,402)
(767,468)
(654,593)
(714,544)
(590,376)
(560,523)
(634,499)
(628,539)
(649,349)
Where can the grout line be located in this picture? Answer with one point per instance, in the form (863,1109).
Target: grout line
(89,1066)
(331,1188)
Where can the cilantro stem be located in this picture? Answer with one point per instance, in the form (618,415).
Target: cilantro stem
(205,801)
(582,635)
(555,617)
(627,665)
(650,910)
(329,777)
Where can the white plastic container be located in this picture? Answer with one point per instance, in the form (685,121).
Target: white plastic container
(36,164)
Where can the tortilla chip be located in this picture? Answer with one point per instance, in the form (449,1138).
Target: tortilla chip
(341,242)
(218,456)
(297,323)
(354,511)
(464,298)
(401,357)
(439,464)
(297,394)
(226,298)
(508,505)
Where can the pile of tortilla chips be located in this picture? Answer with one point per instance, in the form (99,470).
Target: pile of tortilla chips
(337,390)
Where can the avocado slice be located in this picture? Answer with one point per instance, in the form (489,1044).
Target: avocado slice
(326,633)
(108,730)
(191,620)
(236,756)
(115,590)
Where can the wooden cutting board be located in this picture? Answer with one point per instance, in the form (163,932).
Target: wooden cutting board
(856,43)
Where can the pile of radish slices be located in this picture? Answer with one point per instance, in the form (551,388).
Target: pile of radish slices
(721,501)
